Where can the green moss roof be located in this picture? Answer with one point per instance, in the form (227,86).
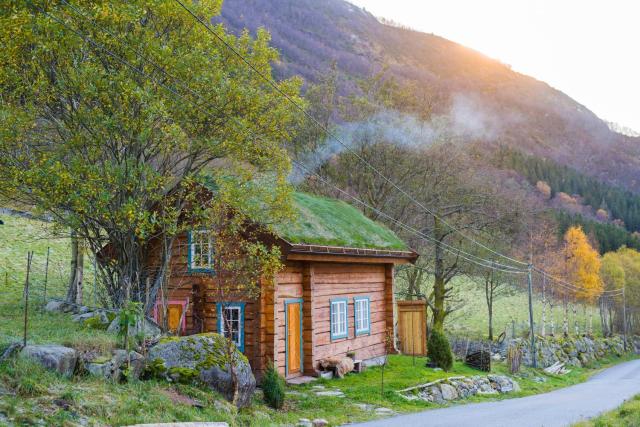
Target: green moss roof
(330,222)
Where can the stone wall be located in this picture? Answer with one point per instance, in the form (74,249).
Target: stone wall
(573,351)
(443,390)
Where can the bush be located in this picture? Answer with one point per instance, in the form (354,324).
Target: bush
(273,387)
(439,351)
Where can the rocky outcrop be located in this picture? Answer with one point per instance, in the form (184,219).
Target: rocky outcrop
(202,358)
(53,357)
(146,327)
(444,390)
(99,319)
(54,306)
(119,367)
(578,351)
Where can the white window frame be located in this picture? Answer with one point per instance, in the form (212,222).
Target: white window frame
(196,240)
(222,325)
(339,314)
(362,315)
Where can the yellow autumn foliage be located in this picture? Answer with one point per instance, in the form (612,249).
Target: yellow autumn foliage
(582,265)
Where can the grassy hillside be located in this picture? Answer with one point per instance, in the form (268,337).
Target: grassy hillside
(511,309)
(19,236)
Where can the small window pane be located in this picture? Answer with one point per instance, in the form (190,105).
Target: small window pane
(361,315)
(201,249)
(338,319)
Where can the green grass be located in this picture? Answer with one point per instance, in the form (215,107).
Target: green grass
(36,396)
(471,319)
(50,328)
(333,222)
(35,392)
(627,415)
(18,236)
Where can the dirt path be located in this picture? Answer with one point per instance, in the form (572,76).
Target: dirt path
(603,392)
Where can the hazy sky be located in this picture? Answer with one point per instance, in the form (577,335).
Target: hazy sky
(589,49)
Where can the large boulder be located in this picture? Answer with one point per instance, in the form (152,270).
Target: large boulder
(54,306)
(202,357)
(53,357)
(146,327)
(114,368)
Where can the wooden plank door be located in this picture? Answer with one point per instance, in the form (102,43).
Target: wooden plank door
(412,328)
(174,317)
(294,337)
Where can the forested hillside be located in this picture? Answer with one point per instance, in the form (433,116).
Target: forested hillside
(617,203)
(483,97)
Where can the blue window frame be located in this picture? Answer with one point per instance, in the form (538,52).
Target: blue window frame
(231,322)
(339,318)
(362,315)
(200,251)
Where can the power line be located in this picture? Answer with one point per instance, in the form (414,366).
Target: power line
(330,133)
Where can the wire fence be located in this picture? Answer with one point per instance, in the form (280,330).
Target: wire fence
(49,274)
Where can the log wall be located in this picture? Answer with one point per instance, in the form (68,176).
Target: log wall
(316,283)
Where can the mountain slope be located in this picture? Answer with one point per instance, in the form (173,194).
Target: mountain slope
(516,109)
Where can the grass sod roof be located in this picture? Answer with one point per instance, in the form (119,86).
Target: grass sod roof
(330,222)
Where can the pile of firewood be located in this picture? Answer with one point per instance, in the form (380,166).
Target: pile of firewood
(480,359)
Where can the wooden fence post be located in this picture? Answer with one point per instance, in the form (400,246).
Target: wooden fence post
(26,298)
(46,276)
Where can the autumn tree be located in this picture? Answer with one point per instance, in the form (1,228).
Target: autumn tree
(629,260)
(613,277)
(582,269)
(111,112)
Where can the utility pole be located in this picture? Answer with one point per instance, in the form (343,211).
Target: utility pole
(531,328)
(624,317)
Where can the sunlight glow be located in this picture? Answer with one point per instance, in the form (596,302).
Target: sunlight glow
(586,48)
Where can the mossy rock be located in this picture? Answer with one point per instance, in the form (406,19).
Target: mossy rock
(203,358)
(96,323)
(183,375)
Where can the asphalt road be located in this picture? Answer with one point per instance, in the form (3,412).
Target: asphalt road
(603,392)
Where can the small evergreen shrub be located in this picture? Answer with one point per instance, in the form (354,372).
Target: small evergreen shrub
(439,351)
(273,387)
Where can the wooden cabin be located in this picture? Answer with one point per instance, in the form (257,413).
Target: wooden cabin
(334,295)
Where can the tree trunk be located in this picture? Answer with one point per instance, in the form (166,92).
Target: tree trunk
(552,320)
(488,293)
(491,321)
(439,281)
(74,291)
(603,316)
(574,310)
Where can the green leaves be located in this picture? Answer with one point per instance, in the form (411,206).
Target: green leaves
(111,109)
